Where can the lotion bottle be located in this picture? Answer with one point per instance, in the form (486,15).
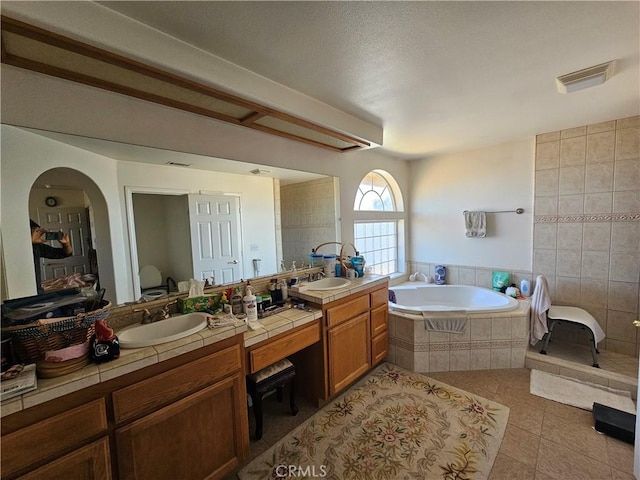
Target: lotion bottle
(525,287)
(250,305)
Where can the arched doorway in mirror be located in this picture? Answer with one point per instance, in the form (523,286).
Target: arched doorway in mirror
(66,200)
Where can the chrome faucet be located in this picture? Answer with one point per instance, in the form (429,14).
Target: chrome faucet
(159,314)
(315,276)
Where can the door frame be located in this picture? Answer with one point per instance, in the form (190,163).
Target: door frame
(131,227)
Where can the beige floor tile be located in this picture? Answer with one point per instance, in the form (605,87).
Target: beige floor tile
(579,436)
(618,475)
(562,463)
(521,445)
(620,455)
(507,468)
(567,411)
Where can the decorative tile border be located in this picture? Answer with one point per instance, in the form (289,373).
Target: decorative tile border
(586,218)
(445,347)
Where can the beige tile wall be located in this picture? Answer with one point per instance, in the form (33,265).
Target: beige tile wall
(490,341)
(308,217)
(587,225)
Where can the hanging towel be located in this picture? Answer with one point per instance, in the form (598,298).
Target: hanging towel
(540,303)
(475,224)
(452,321)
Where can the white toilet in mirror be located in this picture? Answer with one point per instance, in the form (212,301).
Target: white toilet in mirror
(151,283)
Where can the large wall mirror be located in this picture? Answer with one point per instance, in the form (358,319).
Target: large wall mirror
(142,207)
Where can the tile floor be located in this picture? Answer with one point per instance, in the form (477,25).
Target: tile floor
(543,440)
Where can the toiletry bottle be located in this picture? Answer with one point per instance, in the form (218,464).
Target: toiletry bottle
(357,263)
(525,287)
(338,268)
(285,290)
(250,307)
(311,255)
(236,302)
(226,306)
(278,293)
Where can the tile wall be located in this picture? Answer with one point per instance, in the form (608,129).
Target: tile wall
(467,275)
(587,225)
(308,215)
(490,341)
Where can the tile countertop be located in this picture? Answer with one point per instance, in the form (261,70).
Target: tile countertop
(136,358)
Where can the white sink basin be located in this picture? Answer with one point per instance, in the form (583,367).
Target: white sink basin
(329,283)
(168,330)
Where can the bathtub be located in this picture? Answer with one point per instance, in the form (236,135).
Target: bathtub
(418,297)
(496,334)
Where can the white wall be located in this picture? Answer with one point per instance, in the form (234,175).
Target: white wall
(25,157)
(256,202)
(493,178)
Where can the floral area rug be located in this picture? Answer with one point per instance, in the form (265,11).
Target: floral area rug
(393,424)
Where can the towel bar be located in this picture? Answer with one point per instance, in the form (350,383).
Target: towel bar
(517,210)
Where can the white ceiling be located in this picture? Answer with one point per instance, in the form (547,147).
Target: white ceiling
(438,76)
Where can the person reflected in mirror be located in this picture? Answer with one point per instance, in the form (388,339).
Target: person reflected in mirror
(43,250)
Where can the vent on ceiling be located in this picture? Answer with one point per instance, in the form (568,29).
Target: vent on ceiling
(260,171)
(178,164)
(585,78)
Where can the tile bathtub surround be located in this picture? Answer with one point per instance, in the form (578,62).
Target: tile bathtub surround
(469,275)
(587,226)
(491,341)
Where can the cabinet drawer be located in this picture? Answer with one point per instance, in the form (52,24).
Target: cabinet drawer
(379,320)
(52,436)
(148,395)
(285,345)
(379,347)
(379,297)
(341,313)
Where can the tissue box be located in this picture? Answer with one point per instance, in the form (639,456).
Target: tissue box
(199,304)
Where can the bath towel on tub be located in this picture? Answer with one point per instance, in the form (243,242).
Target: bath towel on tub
(475,224)
(452,321)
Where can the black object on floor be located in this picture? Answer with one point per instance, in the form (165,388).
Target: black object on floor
(266,380)
(615,423)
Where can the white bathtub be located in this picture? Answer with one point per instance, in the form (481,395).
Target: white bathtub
(417,297)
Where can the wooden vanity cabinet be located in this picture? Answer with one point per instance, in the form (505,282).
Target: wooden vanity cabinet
(60,445)
(185,417)
(356,336)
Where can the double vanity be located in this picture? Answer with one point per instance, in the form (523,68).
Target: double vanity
(179,409)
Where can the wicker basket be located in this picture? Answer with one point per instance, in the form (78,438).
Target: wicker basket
(31,341)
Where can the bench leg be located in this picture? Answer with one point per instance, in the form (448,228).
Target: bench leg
(292,402)
(548,337)
(257,410)
(594,350)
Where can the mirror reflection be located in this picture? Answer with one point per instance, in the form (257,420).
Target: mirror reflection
(148,219)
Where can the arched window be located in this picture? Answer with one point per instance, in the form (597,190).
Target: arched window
(379,222)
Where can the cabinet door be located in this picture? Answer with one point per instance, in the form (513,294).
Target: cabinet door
(198,437)
(348,352)
(379,347)
(91,462)
(379,320)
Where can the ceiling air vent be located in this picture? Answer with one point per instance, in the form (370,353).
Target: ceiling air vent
(178,164)
(585,78)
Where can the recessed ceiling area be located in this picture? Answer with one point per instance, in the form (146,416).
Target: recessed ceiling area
(438,77)
(33,48)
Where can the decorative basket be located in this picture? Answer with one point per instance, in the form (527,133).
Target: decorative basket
(32,340)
